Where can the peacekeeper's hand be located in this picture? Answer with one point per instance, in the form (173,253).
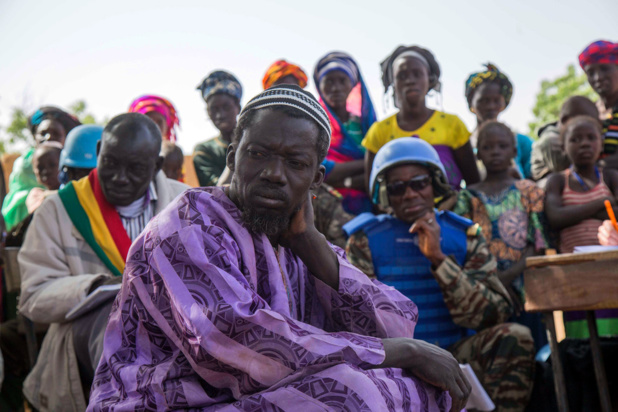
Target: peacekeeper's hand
(430,364)
(104,281)
(311,246)
(428,231)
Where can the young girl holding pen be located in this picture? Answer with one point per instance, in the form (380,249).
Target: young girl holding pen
(575,205)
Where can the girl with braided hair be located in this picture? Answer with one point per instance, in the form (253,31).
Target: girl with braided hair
(412,72)
(488,94)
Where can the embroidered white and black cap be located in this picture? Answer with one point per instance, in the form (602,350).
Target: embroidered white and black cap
(292,96)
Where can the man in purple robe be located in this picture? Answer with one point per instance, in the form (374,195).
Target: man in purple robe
(233,301)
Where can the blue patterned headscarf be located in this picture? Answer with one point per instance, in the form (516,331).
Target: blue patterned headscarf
(336,61)
(220,82)
(67,120)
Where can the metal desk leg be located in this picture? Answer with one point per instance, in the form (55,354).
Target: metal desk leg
(556,364)
(597,359)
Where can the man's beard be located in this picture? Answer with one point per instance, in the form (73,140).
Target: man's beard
(271,224)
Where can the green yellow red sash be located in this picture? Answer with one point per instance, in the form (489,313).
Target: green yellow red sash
(97,221)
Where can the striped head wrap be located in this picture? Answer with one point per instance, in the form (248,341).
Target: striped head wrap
(336,61)
(220,82)
(152,103)
(292,96)
(67,120)
(281,69)
(492,74)
(599,52)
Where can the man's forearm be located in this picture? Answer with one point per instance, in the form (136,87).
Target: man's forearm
(315,252)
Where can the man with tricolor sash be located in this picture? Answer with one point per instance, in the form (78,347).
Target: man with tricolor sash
(78,240)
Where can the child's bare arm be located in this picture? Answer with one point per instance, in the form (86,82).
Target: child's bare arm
(509,275)
(560,216)
(610,177)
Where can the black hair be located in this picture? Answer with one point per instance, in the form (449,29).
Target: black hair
(387,66)
(578,100)
(246,121)
(492,125)
(171,152)
(131,123)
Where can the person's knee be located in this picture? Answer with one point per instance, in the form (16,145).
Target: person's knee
(517,339)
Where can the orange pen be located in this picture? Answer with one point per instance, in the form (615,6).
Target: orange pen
(610,213)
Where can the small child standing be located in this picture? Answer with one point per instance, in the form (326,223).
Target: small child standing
(575,206)
(510,213)
(173,160)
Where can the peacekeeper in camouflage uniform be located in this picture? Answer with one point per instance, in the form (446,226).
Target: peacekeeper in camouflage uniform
(441,262)
(329,215)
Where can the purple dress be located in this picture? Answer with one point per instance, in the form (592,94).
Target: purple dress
(211,317)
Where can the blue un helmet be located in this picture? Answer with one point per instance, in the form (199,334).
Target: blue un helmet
(80,150)
(406,150)
(80,147)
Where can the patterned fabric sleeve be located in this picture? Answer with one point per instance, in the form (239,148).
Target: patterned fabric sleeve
(359,254)
(364,306)
(533,199)
(463,207)
(473,294)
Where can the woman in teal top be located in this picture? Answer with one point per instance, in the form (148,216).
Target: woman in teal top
(489,93)
(46,124)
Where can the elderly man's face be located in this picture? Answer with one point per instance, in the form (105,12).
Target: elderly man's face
(127,164)
(410,191)
(275,165)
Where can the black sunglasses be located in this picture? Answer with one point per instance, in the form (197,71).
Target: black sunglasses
(417,183)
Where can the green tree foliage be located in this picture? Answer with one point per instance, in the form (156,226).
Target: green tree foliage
(17,130)
(553,93)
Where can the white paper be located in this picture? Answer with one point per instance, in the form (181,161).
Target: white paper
(595,248)
(478,399)
(100,295)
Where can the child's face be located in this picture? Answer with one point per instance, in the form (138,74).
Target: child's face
(45,167)
(173,170)
(223,110)
(488,102)
(496,150)
(582,143)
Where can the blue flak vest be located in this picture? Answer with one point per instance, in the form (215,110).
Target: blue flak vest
(398,262)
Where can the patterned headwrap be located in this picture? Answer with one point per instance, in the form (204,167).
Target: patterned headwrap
(280,69)
(152,103)
(68,121)
(418,52)
(220,82)
(292,96)
(599,52)
(336,61)
(492,74)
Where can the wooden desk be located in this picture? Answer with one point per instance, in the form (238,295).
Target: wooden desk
(568,282)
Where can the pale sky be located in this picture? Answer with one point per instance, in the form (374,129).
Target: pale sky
(110,52)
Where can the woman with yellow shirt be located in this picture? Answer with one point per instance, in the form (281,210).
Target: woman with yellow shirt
(412,71)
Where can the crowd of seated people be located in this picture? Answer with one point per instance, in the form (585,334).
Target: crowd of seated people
(328,260)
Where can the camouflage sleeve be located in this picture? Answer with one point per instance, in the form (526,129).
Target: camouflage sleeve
(359,254)
(474,295)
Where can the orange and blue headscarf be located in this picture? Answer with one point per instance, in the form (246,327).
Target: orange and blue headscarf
(152,103)
(280,69)
(599,52)
(491,75)
(343,147)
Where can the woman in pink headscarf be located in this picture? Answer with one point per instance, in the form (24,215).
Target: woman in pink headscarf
(161,111)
